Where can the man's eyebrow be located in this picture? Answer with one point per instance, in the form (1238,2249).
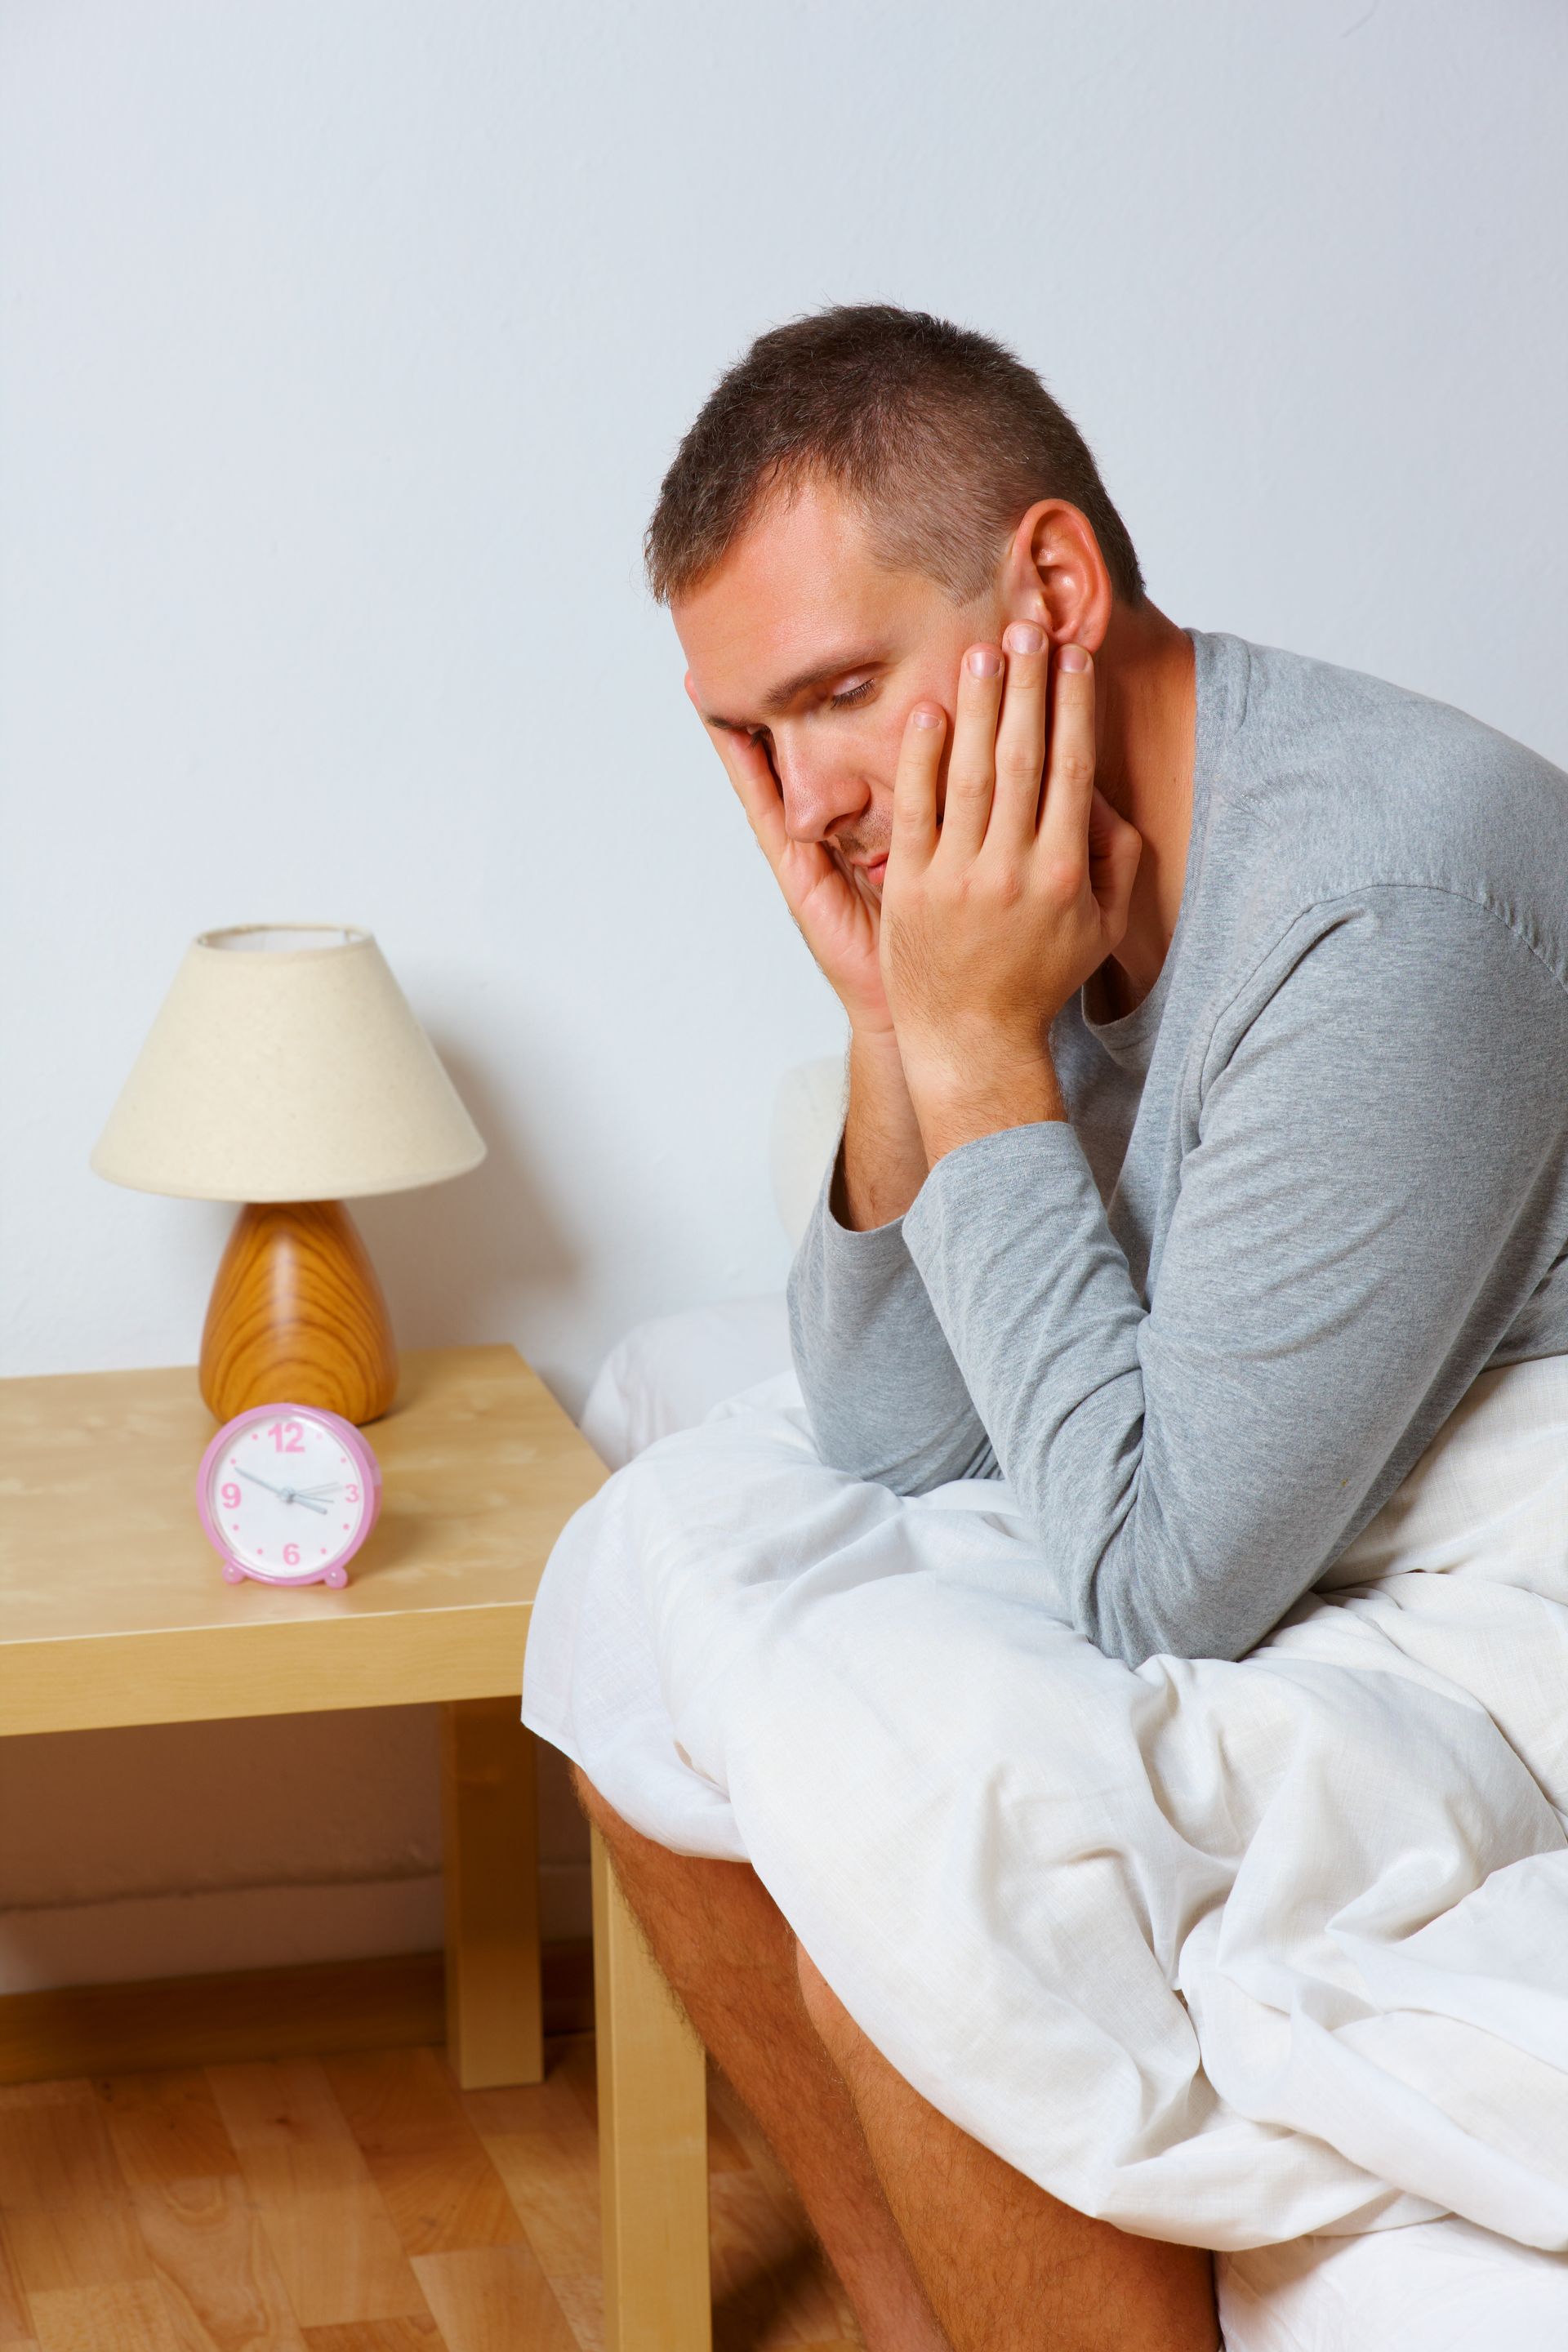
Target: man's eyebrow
(778,699)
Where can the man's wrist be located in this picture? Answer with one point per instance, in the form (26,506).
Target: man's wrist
(880,1040)
(882,1163)
(958,1106)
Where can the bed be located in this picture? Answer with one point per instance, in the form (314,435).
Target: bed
(1432,2285)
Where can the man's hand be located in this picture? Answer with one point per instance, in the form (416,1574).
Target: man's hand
(993,918)
(883,1162)
(837,916)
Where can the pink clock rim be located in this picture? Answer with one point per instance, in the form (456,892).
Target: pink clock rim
(359,1449)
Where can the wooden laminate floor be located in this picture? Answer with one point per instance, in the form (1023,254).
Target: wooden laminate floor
(360,2203)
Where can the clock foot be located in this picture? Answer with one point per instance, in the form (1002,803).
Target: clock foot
(232,1572)
(338,1576)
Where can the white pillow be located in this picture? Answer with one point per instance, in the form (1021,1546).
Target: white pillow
(666,1373)
(670,1370)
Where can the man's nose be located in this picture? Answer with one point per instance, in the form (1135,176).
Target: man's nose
(817,789)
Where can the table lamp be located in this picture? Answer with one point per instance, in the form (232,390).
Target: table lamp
(286,1070)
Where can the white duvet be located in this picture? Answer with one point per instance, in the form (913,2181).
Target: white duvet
(1233,1953)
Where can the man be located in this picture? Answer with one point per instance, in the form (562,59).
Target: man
(1207,1144)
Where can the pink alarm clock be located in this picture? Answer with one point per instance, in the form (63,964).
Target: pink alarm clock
(288,1493)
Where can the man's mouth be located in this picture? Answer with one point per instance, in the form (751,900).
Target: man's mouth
(871,867)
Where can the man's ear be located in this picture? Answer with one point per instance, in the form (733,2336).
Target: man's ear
(1054,572)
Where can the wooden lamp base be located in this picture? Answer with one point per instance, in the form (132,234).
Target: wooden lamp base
(298,1316)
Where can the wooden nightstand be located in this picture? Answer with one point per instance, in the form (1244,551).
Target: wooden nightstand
(113,1609)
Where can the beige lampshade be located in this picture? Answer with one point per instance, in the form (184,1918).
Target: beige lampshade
(285,1064)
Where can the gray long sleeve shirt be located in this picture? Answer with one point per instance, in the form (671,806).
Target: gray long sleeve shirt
(1308,1189)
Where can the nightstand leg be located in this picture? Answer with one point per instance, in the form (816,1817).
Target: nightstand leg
(653,2139)
(494,2010)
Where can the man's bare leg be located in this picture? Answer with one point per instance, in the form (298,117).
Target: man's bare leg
(1008,2268)
(725,1946)
(879,2170)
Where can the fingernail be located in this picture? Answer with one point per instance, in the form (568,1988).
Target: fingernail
(923,715)
(1073,658)
(1023,638)
(982,661)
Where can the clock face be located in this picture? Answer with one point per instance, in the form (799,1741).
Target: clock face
(290,1493)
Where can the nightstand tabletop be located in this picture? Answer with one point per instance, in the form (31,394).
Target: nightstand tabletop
(113,1607)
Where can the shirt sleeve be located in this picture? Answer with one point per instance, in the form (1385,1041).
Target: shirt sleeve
(887,1400)
(1376,1183)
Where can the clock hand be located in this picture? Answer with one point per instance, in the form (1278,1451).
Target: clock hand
(257,1481)
(285,1494)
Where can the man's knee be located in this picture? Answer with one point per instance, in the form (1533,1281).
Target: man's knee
(587,1796)
(640,1860)
(598,1809)
(617,1833)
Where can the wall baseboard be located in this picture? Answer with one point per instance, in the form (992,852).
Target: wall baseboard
(374,2004)
(213,1929)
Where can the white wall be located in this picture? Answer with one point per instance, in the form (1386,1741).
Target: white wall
(344,348)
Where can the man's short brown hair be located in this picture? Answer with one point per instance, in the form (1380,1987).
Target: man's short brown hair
(940,434)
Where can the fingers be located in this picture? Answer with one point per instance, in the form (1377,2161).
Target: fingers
(749,769)
(915,787)
(972,764)
(1070,771)
(750,772)
(1115,848)
(998,746)
(1020,739)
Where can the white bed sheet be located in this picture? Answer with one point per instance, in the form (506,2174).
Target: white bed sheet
(1432,2284)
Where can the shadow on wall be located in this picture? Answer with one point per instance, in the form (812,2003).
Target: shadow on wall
(122,1854)
(457,1260)
(179,1849)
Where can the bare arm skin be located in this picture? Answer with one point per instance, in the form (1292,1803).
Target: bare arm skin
(882,1163)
